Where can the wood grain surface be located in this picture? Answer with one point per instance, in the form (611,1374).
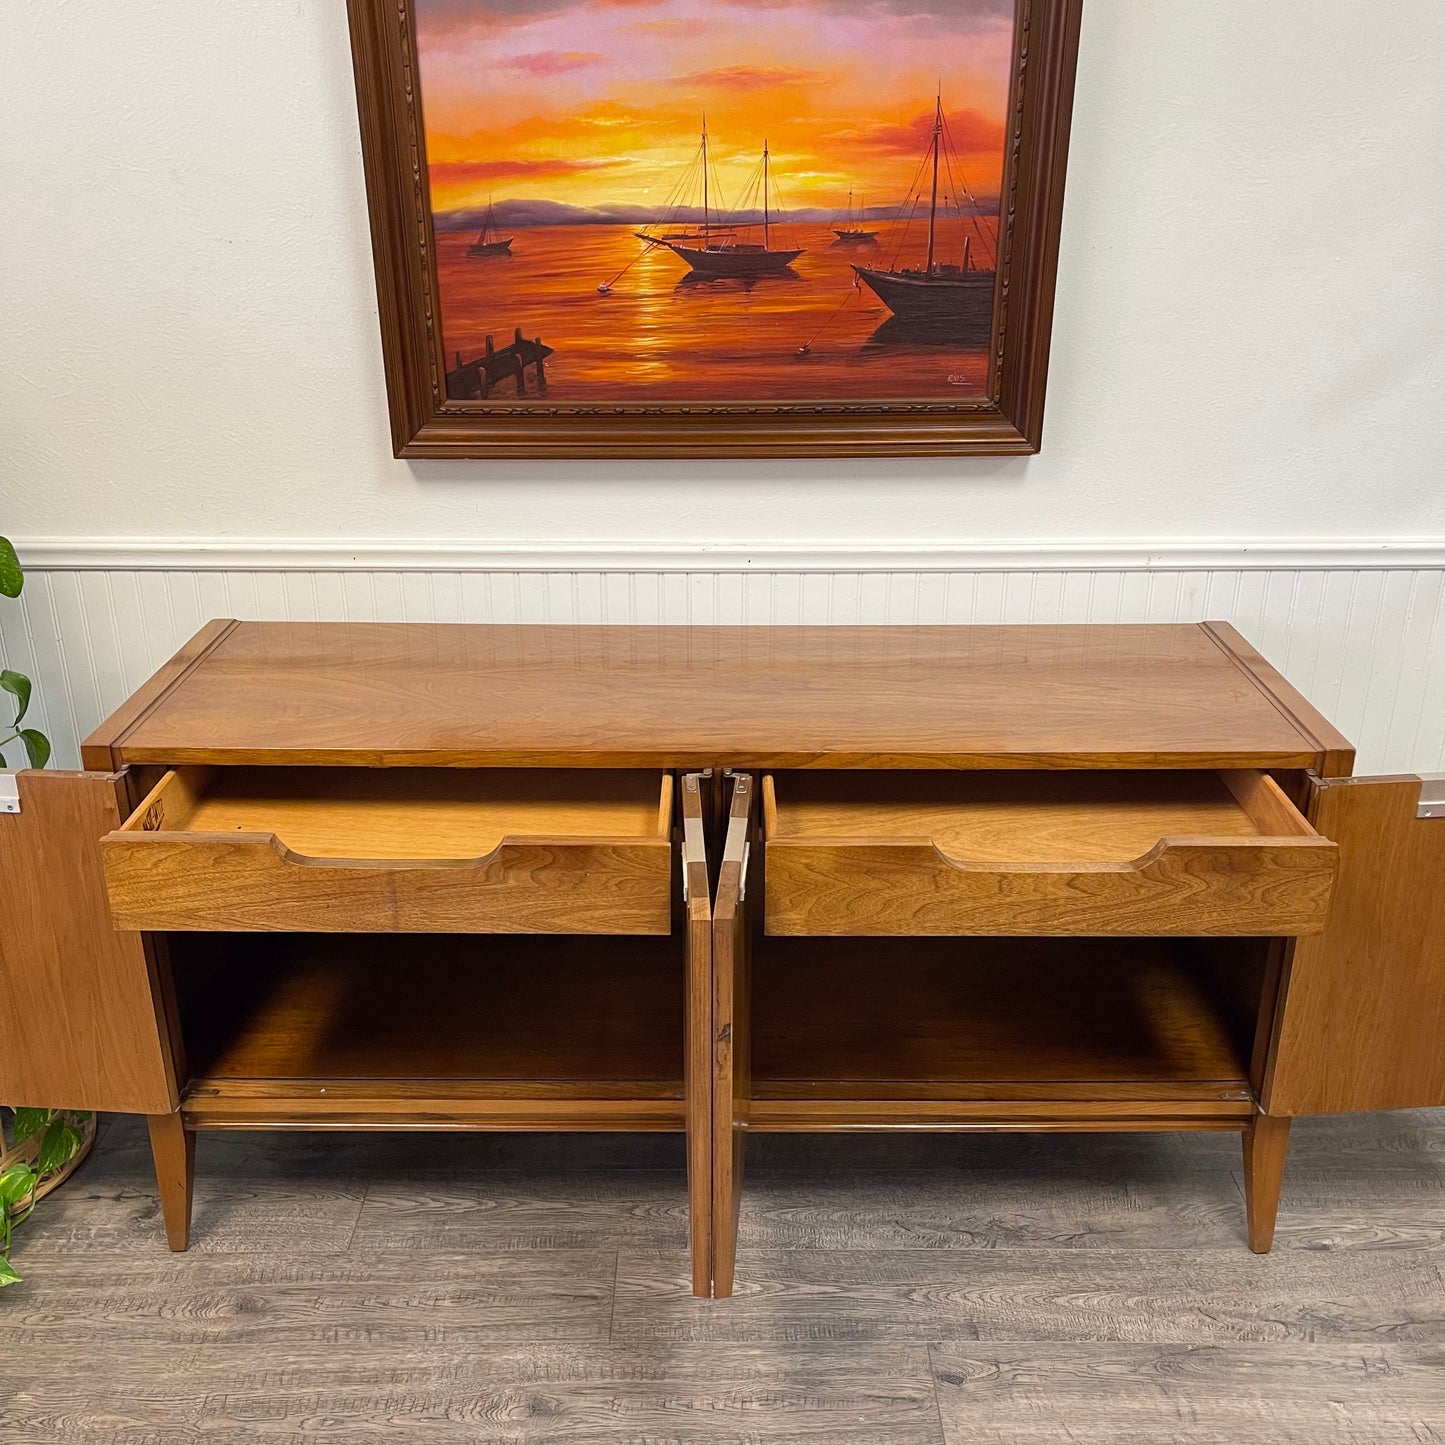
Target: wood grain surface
(732,1025)
(527,1009)
(385,1287)
(1338,751)
(1011,817)
(101,750)
(1040,853)
(1043,1295)
(1266,1147)
(389,694)
(351,850)
(1182,887)
(173,1147)
(697,1057)
(1362,1025)
(976,1035)
(79,1005)
(423,813)
(183,881)
(841,1015)
(1188,1394)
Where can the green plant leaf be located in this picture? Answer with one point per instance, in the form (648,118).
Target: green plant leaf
(80,1116)
(7,1273)
(29,1122)
(12,579)
(58,1147)
(37,747)
(15,1183)
(19,685)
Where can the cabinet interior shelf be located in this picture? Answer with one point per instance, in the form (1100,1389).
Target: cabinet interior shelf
(431,1030)
(573,1032)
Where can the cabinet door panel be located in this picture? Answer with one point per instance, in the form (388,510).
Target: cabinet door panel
(692,812)
(731,1030)
(1363,1019)
(79,1022)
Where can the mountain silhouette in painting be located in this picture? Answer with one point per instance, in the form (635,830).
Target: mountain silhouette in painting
(519,214)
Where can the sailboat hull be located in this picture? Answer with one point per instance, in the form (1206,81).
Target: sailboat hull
(856,238)
(965,299)
(491,248)
(733,260)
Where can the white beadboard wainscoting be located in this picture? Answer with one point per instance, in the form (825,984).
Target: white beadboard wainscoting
(1358,628)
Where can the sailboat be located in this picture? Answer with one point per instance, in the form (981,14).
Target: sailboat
(488,242)
(848,233)
(719,253)
(941,293)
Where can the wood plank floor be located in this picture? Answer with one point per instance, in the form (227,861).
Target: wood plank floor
(926,1290)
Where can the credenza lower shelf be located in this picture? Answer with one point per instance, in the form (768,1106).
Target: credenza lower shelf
(431,1031)
(981,1033)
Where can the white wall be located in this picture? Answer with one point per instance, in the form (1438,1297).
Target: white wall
(1365,644)
(1249,348)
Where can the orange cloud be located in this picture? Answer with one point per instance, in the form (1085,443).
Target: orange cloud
(530,115)
(461,173)
(747,77)
(445,18)
(553,62)
(681,29)
(968,130)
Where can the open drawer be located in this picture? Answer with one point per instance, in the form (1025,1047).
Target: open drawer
(1040,853)
(412,850)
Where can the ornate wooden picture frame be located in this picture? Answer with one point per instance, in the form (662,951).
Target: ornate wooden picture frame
(850,380)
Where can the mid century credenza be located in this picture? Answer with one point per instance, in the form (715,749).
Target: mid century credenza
(718,880)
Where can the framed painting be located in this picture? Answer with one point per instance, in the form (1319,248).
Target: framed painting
(677,228)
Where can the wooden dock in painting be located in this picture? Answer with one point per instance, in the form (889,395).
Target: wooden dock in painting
(473,380)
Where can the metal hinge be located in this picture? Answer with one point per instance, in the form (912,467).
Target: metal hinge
(1432,796)
(9,791)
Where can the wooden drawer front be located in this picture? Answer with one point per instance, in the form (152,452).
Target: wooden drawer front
(1165,853)
(354,850)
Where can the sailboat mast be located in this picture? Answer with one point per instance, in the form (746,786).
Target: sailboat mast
(704,181)
(765,193)
(933,203)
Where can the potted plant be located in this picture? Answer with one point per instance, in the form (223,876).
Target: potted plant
(45,1146)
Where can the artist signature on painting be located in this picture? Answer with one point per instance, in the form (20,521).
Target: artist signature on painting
(957,378)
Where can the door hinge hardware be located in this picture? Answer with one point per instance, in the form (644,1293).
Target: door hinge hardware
(1432,796)
(1236,1094)
(9,791)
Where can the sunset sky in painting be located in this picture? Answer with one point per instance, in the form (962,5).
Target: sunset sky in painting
(597,102)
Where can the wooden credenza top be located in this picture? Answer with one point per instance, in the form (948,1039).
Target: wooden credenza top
(455,694)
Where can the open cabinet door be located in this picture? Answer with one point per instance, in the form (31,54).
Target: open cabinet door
(1363,1019)
(731,1032)
(79,1022)
(697,1061)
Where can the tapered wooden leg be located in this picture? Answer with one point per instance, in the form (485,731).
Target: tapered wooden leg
(173,1147)
(727,1197)
(1266,1143)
